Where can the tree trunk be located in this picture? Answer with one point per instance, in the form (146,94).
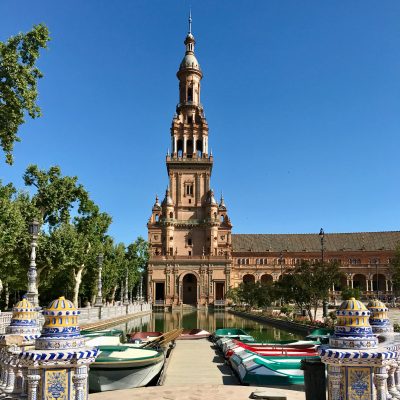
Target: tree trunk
(7,296)
(309,314)
(113,293)
(77,284)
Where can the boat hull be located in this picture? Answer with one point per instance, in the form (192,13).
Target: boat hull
(104,378)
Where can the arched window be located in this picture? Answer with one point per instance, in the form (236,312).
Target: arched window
(171,215)
(190,93)
(189,148)
(199,148)
(180,148)
(157,217)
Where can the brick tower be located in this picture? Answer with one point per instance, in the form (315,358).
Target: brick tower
(189,233)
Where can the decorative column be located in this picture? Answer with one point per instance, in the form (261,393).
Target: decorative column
(335,381)
(179,190)
(380,377)
(33,379)
(32,294)
(197,189)
(391,383)
(397,376)
(79,379)
(184,145)
(351,354)
(59,353)
(99,297)
(126,297)
(194,146)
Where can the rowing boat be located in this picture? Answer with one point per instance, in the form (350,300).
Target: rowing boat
(142,337)
(231,333)
(124,367)
(255,370)
(193,334)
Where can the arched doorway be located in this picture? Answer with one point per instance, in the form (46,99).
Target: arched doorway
(379,283)
(360,282)
(248,278)
(189,289)
(266,279)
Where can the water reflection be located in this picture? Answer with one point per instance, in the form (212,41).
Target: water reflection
(205,319)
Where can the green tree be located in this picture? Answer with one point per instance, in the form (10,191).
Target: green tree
(348,293)
(114,268)
(54,199)
(90,231)
(56,195)
(18,83)
(137,256)
(252,294)
(307,285)
(395,270)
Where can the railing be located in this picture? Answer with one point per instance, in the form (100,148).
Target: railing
(159,302)
(90,314)
(5,319)
(219,302)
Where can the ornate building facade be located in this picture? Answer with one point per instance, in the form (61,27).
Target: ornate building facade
(195,258)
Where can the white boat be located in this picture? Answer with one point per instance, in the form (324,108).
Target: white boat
(124,367)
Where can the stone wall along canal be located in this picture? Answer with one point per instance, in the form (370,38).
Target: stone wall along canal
(207,320)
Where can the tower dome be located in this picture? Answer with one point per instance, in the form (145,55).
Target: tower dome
(189,60)
(61,329)
(167,199)
(353,330)
(157,205)
(379,319)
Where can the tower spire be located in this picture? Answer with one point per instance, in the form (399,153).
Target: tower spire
(190,21)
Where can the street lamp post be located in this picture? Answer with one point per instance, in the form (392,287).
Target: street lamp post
(99,297)
(126,294)
(32,294)
(141,290)
(122,292)
(377,278)
(280,263)
(322,239)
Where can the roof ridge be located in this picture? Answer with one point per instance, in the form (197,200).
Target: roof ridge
(316,234)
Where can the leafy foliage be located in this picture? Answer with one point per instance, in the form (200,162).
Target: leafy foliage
(348,293)
(18,83)
(252,294)
(307,285)
(395,270)
(74,232)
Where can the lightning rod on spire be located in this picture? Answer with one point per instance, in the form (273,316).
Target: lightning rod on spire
(190,20)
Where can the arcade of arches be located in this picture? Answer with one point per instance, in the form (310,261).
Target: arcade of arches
(194,258)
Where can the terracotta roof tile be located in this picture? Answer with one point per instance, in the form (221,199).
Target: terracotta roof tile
(369,241)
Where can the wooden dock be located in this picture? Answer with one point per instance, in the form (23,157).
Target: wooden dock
(196,362)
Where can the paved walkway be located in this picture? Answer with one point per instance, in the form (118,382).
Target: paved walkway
(195,362)
(197,392)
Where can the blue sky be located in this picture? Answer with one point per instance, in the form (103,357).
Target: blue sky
(302,100)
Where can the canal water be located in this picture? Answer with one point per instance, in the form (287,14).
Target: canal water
(207,320)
